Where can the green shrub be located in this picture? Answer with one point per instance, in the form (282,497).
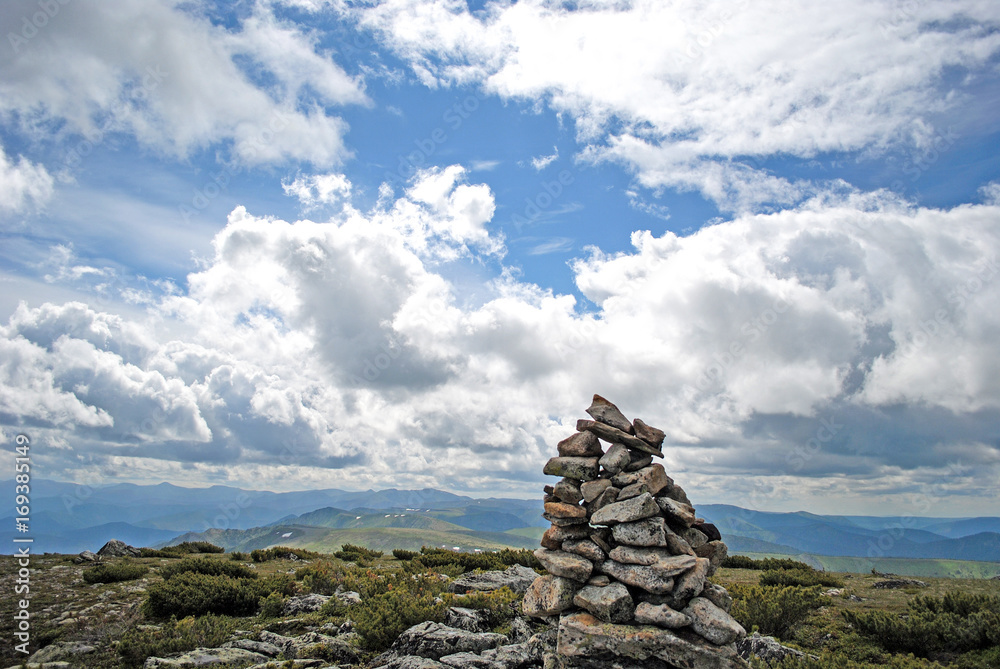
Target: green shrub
(154,553)
(195,547)
(772,609)
(237,556)
(381,618)
(359,554)
(400,554)
(956,623)
(114,572)
(281,553)
(438,557)
(838,661)
(193,594)
(210,567)
(744,562)
(321,577)
(272,606)
(174,636)
(801,577)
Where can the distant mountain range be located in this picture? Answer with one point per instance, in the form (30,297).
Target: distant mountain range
(69,518)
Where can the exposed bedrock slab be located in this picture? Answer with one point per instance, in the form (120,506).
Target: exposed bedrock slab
(584,635)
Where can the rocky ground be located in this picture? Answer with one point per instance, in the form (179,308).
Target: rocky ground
(76,625)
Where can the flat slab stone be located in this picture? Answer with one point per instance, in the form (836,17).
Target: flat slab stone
(582,469)
(568,490)
(656,578)
(433,641)
(564,510)
(616,436)
(606,412)
(581,445)
(585,548)
(205,657)
(627,511)
(639,555)
(567,565)
(678,512)
(583,635)
(517,578)
(610,603)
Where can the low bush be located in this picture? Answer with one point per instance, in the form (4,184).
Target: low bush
(359,554)
(773,609)
(193,594)
(282,553)
(321,577)
(956,623)
(238,556)
(156,553)
(801,577)
(114,572)
(838,661)
(174,636)
(209,567)
(196,547)
(272,606)
(401,554)
(766,564)
(438,557)
(381,618)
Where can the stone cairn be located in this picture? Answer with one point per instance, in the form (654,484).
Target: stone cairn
(627,558)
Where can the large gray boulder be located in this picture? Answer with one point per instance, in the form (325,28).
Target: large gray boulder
(517,578)
(204,657)
(434,641)
(764,647)
(116,548)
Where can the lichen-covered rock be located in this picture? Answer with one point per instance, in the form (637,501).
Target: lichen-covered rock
(656,578)
(606,412)
(585,548)
(766,648)
(718,596)
(712,623)
(615,459)
(580,445)
(692,582)
(660,615)
(654,476)
(650,531)
(517,578)
(434,641)
(567,565)
(582,469)
(627,511)
(116,548)
(204,657)
(651,435)
(548,596)
(583,635)
(611,603)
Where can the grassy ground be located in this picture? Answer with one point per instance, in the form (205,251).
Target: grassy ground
(915,567)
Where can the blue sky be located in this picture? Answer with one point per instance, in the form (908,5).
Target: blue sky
(304,243)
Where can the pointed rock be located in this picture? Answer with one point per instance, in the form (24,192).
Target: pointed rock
(616,436)
(581,445)
(650,435)
(606,412)
(610,603)
(639,460)
(709,530)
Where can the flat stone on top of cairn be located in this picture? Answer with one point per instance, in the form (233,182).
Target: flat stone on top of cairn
(629,558)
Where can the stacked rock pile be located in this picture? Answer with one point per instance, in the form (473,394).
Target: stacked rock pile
(627,557)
